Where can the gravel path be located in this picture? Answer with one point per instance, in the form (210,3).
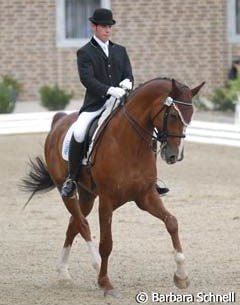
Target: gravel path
(204,196)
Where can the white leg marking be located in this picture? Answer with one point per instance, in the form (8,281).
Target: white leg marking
(180,259)
(62,267)
(95,257)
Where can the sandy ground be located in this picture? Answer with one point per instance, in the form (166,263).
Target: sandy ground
(205,197)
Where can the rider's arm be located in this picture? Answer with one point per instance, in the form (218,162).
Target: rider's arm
(127,72)
(87,77)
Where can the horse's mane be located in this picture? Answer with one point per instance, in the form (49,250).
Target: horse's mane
(151,80)
(179,85)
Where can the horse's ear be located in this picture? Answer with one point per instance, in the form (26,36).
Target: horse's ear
(174,88)
(195,90)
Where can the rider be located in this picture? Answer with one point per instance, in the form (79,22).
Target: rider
(105,70)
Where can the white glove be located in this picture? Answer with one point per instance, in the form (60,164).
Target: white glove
(126,84)
(116,92)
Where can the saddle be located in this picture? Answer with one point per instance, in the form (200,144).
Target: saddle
(94,131)
(89,134)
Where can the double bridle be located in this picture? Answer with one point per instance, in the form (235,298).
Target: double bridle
(158,135)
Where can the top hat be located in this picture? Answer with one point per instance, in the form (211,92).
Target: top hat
(102,16)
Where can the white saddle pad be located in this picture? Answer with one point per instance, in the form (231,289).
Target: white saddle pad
(110,105)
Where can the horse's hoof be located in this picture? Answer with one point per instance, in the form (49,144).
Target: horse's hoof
(181,283)
(66,282)
(64,274)
(113,293)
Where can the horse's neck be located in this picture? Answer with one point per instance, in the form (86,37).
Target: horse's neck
(139,107)
(142,102)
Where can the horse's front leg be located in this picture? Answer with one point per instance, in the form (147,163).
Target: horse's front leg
(105,245)
(154,205)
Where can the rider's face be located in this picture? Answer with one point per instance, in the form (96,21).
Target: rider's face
(103,32)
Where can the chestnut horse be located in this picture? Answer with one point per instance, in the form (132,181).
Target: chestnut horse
(160,109)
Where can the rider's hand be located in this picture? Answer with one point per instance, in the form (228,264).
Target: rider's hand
(116,92)
(126,84)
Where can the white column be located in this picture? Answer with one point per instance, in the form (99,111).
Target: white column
(237,111)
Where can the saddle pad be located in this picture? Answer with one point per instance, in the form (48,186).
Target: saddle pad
(66,142)
(110,105)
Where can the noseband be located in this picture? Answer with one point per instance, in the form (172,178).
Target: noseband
(159,135)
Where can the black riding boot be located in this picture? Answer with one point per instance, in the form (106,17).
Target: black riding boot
(162,190)
(76,152)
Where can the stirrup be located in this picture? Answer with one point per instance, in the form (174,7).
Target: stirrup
(69,187)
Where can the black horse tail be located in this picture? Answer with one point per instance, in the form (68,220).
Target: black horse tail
(38,179)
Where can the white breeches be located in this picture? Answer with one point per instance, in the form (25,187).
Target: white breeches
(82,124)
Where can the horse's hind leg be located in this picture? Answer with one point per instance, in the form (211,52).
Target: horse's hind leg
(105,246)
(153,204)
(62,267)
(78,224)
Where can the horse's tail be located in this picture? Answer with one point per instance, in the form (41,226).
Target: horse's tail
(38,179)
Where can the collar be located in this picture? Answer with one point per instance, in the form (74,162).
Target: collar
(100,42)
(95,43)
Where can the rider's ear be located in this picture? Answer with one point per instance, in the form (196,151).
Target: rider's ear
(195,90)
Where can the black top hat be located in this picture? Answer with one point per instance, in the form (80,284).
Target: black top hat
(102,16)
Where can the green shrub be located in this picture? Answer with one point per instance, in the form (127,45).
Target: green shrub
(201,102)
(7,98)
(13,83)
(225,98)
(9,91)
(54,98)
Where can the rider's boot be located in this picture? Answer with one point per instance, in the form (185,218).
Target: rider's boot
(162,190)
(76,153)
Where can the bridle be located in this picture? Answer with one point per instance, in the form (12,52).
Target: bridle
(159,135)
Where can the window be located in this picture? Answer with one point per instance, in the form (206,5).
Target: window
(73,26)
(234,20)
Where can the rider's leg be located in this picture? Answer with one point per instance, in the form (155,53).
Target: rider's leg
(76,151)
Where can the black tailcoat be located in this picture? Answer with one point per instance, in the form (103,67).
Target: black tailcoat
(98,72)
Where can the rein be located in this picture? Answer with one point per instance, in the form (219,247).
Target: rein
(158,135)
(143,133)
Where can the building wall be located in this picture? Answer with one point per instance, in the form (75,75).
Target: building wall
(28,48)
(182,39)
(186,40)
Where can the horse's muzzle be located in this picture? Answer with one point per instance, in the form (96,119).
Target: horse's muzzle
(171,154)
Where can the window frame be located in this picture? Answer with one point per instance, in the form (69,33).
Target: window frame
(233,36)
(61,40)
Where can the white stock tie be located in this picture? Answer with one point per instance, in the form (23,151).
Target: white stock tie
(105,49)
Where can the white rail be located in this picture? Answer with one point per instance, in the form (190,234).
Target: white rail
(214,133)
(199,131)
(20,123)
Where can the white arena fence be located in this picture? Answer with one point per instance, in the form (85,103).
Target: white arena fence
(198,131)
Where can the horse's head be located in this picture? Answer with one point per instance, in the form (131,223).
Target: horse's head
(172,119)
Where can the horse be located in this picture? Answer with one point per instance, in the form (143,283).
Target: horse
(158,110)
